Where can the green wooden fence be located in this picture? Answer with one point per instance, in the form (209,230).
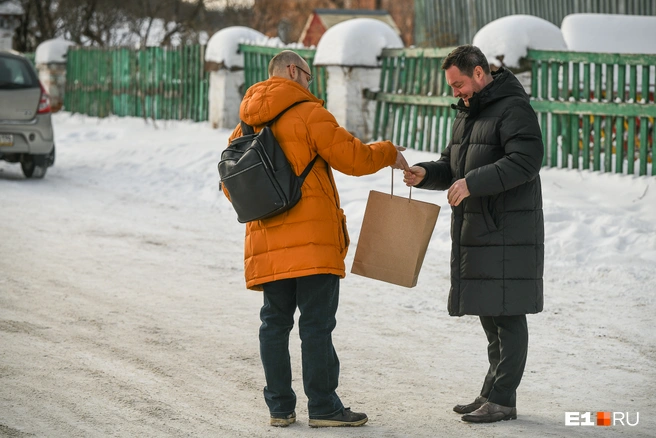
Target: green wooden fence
(596,110)
(413,106)
(156,82)
(256,67)
(582,115)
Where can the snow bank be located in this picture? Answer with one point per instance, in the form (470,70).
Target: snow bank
(52,51)
(223,46)
(356,42)
(513,35)
(610,33)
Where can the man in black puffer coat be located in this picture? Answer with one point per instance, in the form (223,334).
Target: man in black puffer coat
(490,169)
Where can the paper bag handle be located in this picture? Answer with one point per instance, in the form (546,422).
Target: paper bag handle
(392,188)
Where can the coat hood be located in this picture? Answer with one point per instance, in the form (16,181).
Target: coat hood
(265,100)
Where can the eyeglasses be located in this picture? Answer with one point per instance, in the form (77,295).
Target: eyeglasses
(310,78)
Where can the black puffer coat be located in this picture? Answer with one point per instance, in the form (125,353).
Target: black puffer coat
(497,255)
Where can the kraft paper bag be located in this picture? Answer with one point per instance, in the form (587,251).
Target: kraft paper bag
(394,238)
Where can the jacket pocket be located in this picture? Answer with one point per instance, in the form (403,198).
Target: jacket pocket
(488,217)
(344,240)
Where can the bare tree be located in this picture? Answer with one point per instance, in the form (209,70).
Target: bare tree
(107,22)
(233,13)
(183,19)
(38,24)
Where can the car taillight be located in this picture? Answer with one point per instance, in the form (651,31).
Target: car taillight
(44,102)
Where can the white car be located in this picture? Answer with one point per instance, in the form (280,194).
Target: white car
(26,135)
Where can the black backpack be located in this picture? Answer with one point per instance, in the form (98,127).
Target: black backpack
(257,174)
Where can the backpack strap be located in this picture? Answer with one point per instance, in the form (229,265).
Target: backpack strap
(246,129)
(275,119)
(308,168)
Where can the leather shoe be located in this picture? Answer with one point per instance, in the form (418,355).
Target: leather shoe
(491,412)
(471,407)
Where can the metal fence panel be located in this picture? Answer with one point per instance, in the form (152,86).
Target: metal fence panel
(442,23)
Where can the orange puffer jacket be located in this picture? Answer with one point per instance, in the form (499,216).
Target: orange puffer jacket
(311,238)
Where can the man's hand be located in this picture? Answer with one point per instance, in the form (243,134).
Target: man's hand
(457,192)
(414,175)
(400,159)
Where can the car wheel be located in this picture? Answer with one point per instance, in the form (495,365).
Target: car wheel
(31,169)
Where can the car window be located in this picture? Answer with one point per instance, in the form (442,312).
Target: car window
(16,73)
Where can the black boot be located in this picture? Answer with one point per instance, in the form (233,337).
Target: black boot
(491,412)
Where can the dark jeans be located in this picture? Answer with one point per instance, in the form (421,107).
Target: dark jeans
(506,351)
(316,296)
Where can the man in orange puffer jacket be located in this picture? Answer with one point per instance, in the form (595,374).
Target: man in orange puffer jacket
(297,257)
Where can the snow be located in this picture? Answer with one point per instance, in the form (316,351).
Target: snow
(513,35)
(357,42)
(203,38)
(52,51)
(223,46)
(607,33)
(11,8)
(122,297)
(277,42)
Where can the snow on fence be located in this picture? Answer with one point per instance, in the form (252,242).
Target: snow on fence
(155,82)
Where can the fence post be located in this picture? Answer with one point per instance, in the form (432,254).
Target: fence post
(349,77)
(225,97)
(225,63)
(347,101)
(50,62)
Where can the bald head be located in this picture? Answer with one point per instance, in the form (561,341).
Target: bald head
(279,63)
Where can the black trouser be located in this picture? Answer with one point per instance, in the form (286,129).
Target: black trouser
(316,296)
(507,348)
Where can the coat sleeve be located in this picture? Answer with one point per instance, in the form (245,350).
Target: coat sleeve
(520,136)
(236,133)
(344,152)
(438,173)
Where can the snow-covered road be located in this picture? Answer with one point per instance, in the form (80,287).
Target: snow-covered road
(123,310)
